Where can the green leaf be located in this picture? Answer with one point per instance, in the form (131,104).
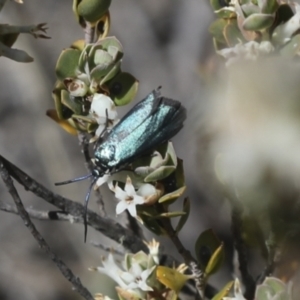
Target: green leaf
(67,64)
(183,219)
(263,292)
(206,245)
(217,30)
(92,10)
(232,33)
(276,284)
(268,6)
(73,103)
(171,214)
(160,173)
(249,9)
(171,278)
(15,54)
(257,22)
(224,292)
(215,261)
(123,88)
(171,196)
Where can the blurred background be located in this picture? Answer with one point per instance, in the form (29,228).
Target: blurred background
(165,42)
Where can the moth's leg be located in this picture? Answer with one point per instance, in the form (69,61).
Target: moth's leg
(103,131)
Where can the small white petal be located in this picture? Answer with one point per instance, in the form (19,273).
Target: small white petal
(144,287)
(132,210)
(111,185)
(129,188)
(121,206)
(120,194)
(111,269)
(102,180)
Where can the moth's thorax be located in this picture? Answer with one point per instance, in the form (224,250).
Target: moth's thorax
(104,154)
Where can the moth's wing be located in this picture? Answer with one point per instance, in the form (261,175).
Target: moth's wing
(116,146)
(164,121)
(134,117)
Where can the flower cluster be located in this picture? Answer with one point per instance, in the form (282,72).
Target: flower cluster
(138,277)
(135,274)
(250,29)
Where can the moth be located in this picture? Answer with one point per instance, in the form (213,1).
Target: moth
(151,122)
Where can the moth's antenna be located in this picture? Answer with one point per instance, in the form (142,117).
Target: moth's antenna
(74,180)
(86,201)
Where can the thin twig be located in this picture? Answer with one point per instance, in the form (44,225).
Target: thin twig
(240,247)
(272,250)
(186,255)
(67,273)
(41,215)
(105,225)
(107,249)
(89,33)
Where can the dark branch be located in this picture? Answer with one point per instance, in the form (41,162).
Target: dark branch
(42,215)
(67,273)
(105,225)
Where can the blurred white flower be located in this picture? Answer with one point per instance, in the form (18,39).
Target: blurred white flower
(135,277)
(254,127)
(248,51)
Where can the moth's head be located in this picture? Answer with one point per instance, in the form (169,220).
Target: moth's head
(97,171)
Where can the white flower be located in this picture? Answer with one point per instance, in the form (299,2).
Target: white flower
(136,277)
(111,269)
(103,107)
(153,247)
(128,198)
(104,111)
